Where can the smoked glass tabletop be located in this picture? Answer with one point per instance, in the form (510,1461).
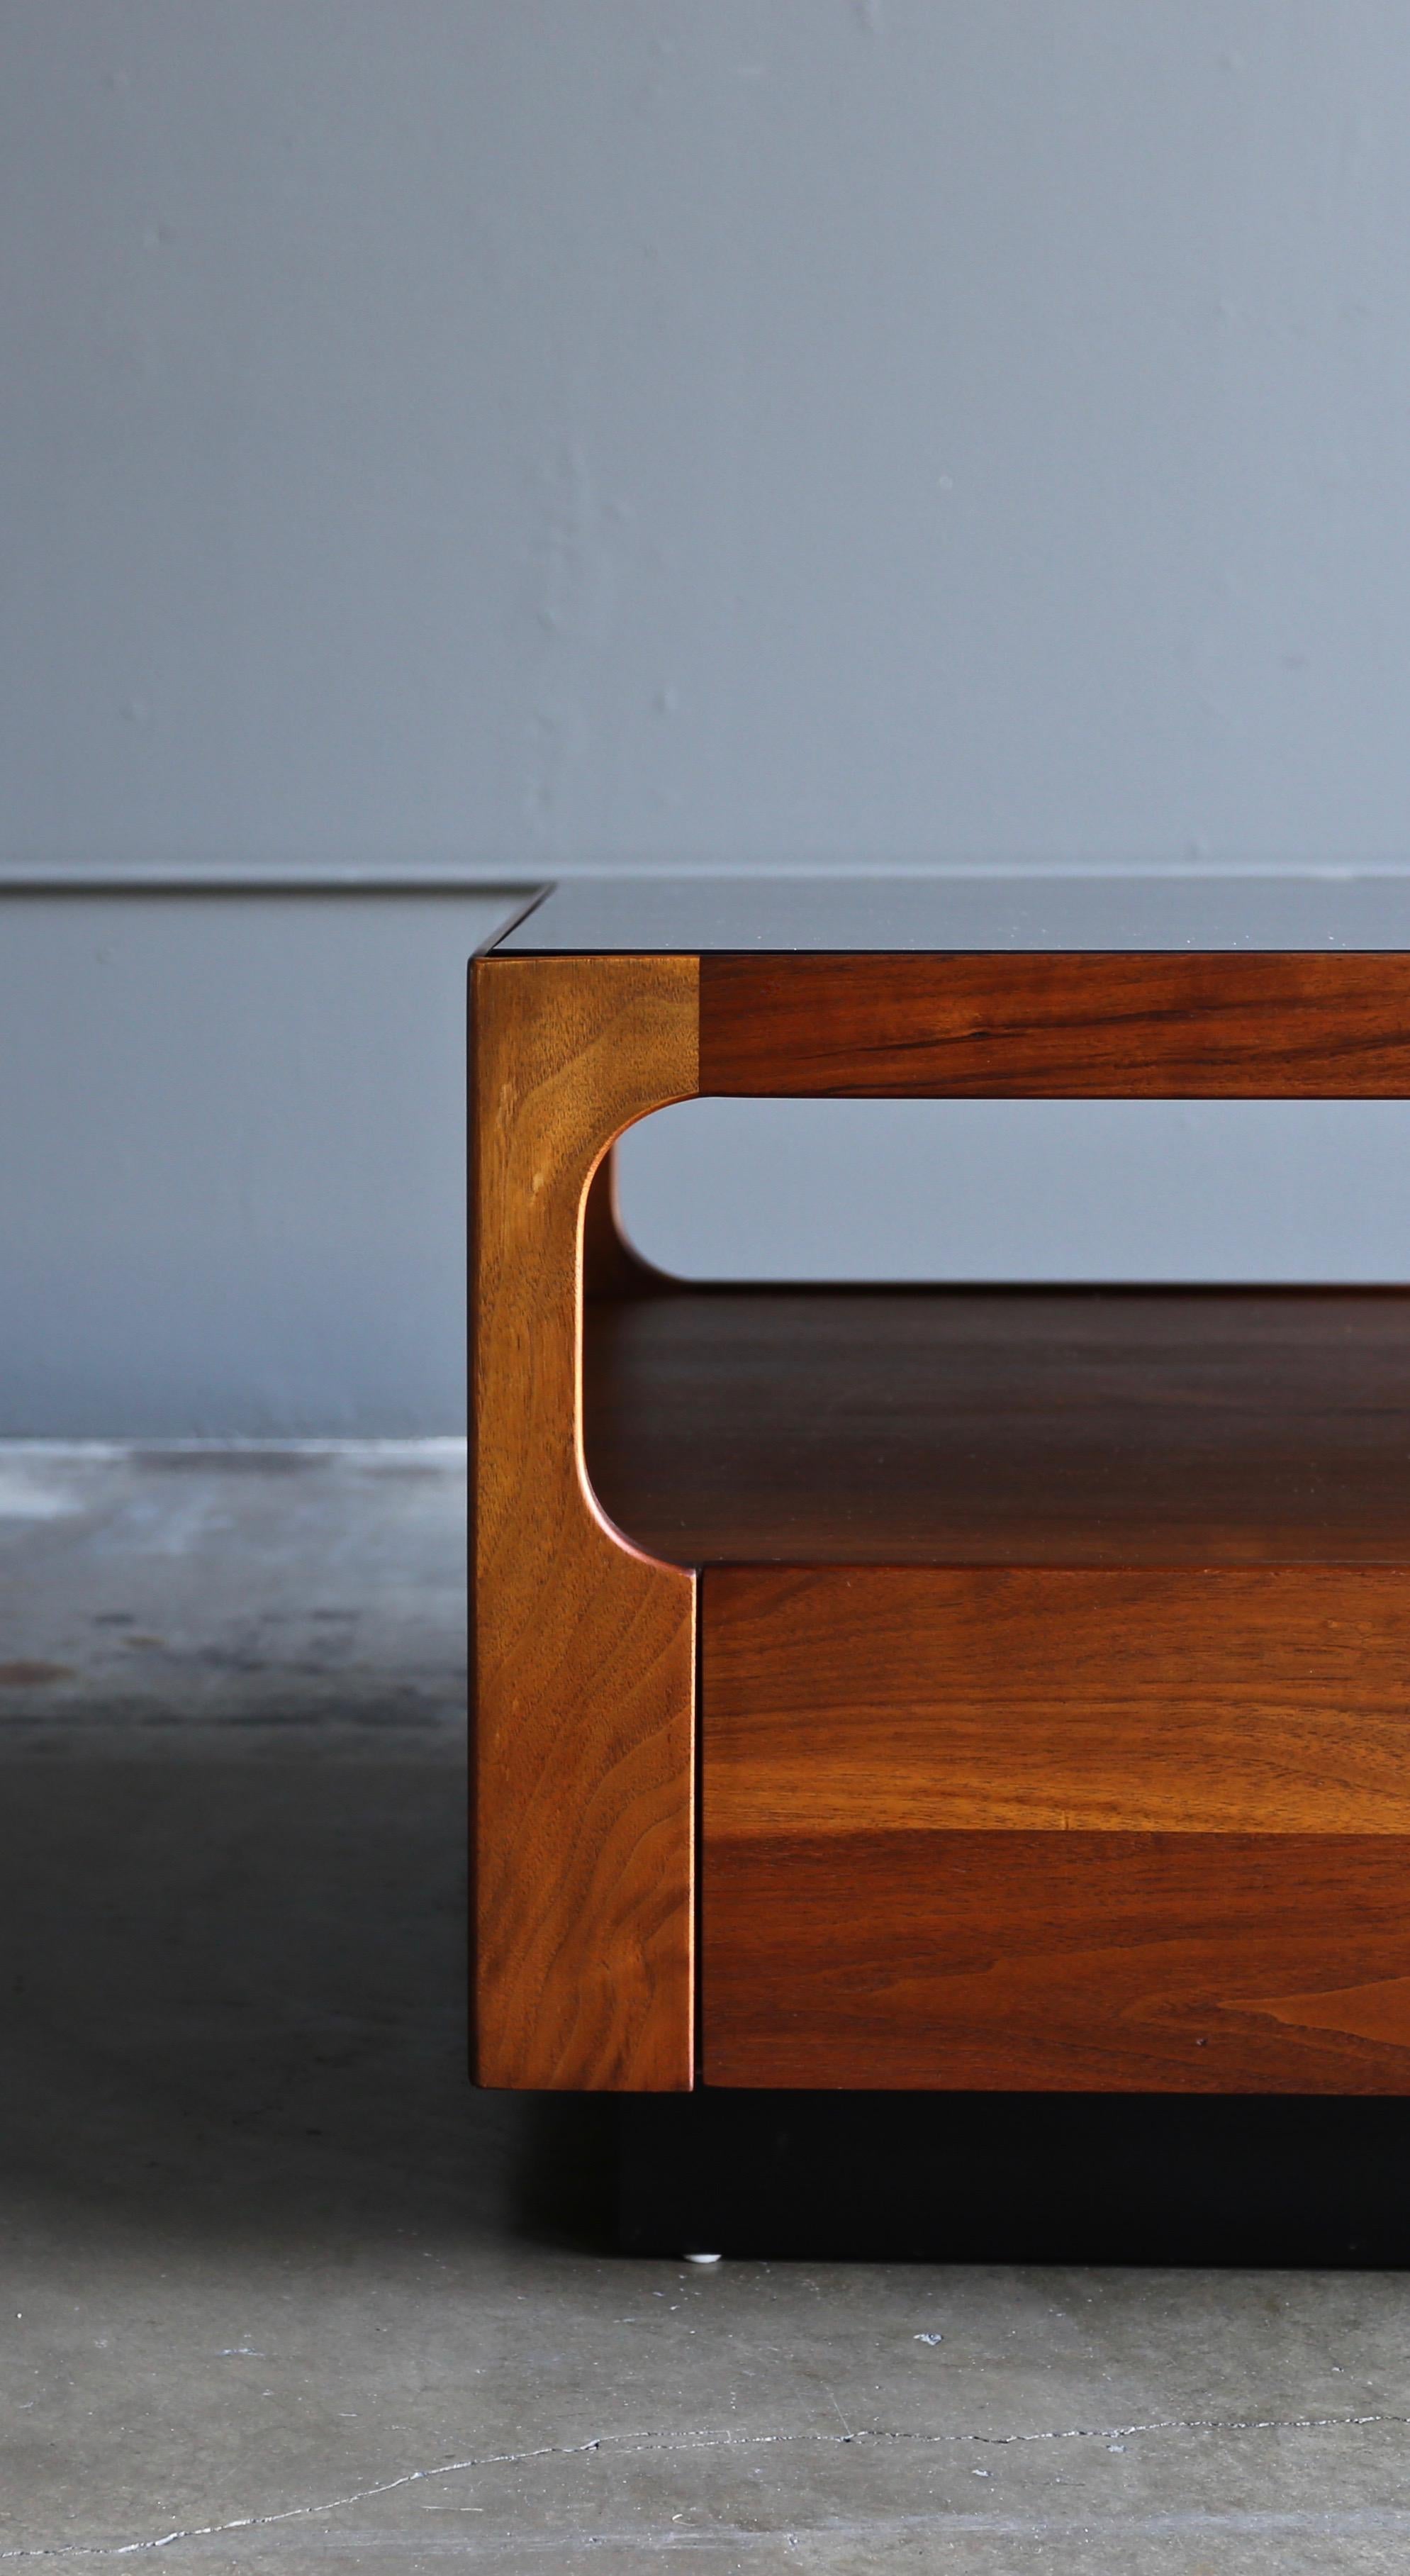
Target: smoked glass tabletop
(702,915)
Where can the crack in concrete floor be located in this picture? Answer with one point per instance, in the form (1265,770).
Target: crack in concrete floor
(638,2444)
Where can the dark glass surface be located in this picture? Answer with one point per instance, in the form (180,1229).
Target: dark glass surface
(686,915)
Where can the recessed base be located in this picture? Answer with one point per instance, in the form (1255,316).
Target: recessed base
(1010,2178)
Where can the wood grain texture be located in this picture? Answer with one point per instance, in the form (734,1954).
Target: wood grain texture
(583,1647)
(1057,1828)
(1006,1426)
(932,1700)
(1060,1962)
(1094,1026)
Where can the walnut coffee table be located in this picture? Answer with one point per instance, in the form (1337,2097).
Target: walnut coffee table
(932,1688)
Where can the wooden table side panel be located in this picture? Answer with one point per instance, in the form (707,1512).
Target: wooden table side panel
(871,1699)
(1100,1025)
(583,1648)
(1060,1962)
(1054,1829)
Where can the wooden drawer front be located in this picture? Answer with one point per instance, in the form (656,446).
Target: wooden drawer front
(1075,1830)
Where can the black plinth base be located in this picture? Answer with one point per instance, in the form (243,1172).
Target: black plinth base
(1029,2178)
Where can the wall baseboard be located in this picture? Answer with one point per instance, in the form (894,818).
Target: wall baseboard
(90,881)
(229,877)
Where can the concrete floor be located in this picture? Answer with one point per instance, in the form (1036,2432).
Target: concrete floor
(279,2291)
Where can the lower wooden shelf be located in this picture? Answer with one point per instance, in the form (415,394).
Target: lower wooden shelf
(1055,1680)
(1008,1426)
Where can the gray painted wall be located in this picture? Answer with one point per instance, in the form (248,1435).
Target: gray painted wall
(780,429)
(232,1163)
(484,439)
